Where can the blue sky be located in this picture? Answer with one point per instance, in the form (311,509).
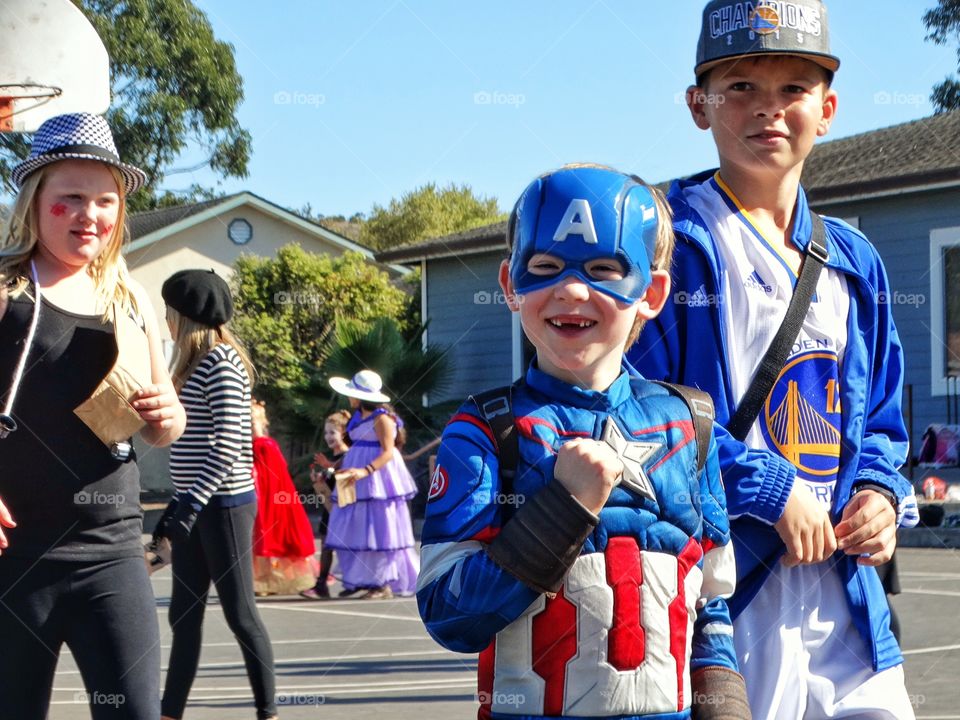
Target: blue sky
(351,104)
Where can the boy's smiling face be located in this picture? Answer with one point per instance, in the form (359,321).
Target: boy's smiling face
(765,113)
(578,331)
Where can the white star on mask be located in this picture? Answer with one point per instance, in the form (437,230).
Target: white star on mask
(632,455)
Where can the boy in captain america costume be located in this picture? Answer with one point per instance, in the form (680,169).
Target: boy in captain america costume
(593,583)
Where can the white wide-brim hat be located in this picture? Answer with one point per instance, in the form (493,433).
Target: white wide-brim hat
(365,385)
(76,136)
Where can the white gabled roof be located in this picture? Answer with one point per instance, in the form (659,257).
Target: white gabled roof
(213,209)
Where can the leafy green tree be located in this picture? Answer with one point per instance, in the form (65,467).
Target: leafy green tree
(289,305)
(943,24)
(425,213)
(174,86)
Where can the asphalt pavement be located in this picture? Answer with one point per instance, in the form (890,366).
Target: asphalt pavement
(372,658)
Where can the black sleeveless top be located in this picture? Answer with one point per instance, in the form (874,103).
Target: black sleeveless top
(70,499)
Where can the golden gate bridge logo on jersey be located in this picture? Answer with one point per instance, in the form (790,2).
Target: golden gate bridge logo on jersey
(765,19)
(801,418)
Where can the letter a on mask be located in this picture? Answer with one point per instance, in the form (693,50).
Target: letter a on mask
(577,220)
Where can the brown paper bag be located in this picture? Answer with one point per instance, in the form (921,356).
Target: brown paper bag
(108,412)
(346,491)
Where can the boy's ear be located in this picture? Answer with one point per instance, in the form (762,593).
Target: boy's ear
(829,112)
(507,286)
(697,103)
(655,296)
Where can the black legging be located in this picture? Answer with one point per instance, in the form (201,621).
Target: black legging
(103,611)
(219,548)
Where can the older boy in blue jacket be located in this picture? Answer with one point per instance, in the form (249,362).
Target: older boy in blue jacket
(813,492)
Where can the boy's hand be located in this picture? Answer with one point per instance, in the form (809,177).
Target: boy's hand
(589,470)
(868,527)
(805,528)
(6,520)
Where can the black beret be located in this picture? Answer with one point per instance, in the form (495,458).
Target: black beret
(201,295)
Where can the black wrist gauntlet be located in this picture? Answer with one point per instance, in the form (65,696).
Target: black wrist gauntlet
(543,538)
(718,694)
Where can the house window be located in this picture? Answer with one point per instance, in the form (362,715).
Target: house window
(944,307)
(240,231)
(951,297)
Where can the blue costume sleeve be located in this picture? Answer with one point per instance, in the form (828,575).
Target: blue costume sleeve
(885,442)
(464,598)
(713,630)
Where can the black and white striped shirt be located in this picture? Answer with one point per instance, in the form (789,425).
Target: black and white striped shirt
(214,456)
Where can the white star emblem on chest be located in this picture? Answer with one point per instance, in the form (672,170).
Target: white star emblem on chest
(633,455)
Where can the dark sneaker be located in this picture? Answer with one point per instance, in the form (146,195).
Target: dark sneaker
(320,592)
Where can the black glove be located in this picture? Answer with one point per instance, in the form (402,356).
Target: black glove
(161,529)
(181,523)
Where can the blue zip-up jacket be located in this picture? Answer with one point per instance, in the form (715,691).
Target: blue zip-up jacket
(686,344)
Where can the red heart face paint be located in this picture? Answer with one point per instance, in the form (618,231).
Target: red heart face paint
(107,230)
(58,209)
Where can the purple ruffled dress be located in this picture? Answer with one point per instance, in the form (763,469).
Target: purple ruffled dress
(373,537)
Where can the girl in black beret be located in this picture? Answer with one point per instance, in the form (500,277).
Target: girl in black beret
(211,468)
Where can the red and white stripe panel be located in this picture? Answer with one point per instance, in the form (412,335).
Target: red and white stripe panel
(614,641)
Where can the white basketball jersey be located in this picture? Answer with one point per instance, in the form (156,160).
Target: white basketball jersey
(801,418)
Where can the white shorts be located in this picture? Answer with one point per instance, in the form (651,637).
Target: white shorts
(803,659)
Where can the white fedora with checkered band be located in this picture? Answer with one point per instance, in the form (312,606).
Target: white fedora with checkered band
(76,136)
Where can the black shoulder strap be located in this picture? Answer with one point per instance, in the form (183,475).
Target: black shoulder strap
(496,408)
(700,405)
(776,355)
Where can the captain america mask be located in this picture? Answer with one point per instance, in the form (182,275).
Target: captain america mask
(581,215)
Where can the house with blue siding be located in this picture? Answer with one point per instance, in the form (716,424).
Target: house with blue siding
(899,185)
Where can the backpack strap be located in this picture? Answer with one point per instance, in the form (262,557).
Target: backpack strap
(700,405)
(496,408)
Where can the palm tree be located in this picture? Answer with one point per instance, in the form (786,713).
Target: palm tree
(408,370)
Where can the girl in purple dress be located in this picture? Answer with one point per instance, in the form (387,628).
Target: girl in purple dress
(373,536)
